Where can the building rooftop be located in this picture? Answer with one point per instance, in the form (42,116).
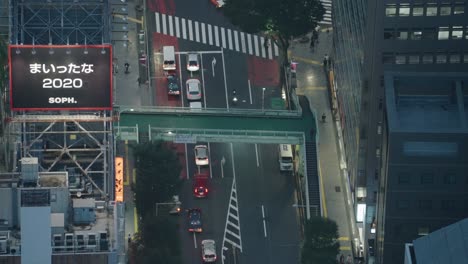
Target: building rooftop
(444,246)
(427,102)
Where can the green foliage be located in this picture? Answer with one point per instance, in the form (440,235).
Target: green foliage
(161,243)
(321,244)
(279,19)
(158,171)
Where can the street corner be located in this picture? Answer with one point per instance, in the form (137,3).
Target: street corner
(263,72)
(160,40)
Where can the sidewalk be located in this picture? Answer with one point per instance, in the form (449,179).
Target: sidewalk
(312,82)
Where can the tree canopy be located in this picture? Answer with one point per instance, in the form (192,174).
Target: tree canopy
(281,20)
(321,243)
(158,169)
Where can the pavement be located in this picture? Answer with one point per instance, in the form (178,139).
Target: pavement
(312,82)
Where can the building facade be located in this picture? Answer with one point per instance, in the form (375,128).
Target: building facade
(424,44)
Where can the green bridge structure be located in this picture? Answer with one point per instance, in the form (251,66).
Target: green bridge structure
(184,125)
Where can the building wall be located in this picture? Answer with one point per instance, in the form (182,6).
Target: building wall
(423,194)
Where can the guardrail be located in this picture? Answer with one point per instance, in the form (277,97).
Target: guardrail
(210,111)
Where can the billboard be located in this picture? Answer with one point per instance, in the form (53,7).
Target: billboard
(119,179)
(65,77)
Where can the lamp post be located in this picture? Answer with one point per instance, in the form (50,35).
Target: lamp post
(263,98)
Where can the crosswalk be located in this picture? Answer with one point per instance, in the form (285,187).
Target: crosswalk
(327,17)
(213,35)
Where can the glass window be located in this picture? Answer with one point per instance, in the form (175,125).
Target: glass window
(430,148)
(466,33)
(389,34)
(416,34)
(450,178)
(403,204)
(445,10)
(427,59)
(429,33)
(441,58)
(388,58)
(448,204)
(465,58)
(455,58)
(423,231)
(443,33)
(425,204)
(431,10)
(418,10)
(390,10)
(404,10)
(457,32)
(403,178)
(413,59)
(400,59)
(458,9)
(402,34)
(427,178)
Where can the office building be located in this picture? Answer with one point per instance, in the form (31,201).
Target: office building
(402,96)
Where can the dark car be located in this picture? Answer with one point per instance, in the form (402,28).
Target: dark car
(200,185)
(173,87)
(194,220)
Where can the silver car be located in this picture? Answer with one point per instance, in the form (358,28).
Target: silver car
(193,89)
(192,62)
(208,250)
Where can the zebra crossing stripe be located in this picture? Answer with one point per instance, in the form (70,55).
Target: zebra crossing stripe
(163,17)
(210,35)
(171,26)
(236,39)
(158,27)
(256,45)
(229,38)
(177,28)
(223,38)
(216,35)
(249,43)
(242,37)
(184,31)
(197,33)
(190,30)
(203,33)
(262,48)
(276,49)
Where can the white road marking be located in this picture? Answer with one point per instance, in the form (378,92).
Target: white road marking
(225,82)
(190,30)
(236,40)
(203,32)
(158,26)
(242,37)
(177,29)
(171,26)
(194,239)
(250,91)
(163,17)
(184,31)
(256,155)
(216,35)
(249,43)
(262,40)
(197,32)
(203,82)
(264,222)
(210,35)
(270,51)
(223,37)
(229,38)
(186,161)
(257,53)
(276,49)
(181,88)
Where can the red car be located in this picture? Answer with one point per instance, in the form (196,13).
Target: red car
(218,3)
(200,185)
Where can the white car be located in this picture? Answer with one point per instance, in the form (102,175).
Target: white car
(208,250)
(218,3)
(193,89)
(201,155)
(192,62)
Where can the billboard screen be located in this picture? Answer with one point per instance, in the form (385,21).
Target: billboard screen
(68,77)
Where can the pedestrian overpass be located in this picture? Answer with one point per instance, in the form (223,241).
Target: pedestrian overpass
(186,126)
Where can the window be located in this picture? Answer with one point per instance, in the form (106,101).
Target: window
(400,59)
(443,33)
(423,231)
(388,58)
(425,204)
(427,178)
(404,10)
(466,33)
(403,204)
(402,34)
(418,10)
(448,205)
(427,59)
(430,148)
(465,58)
(445,10)
(441,58)
(429,33)
(389,34)
(458,9)
(413,59)
(416,34)
(431,10)
(450,178)
(457,32)
(390,10)
(403,178)
(455,58)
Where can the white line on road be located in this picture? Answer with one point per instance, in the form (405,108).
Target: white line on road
(158,27)
(216,35)
(163,17)
(262,48)
(190,30)
(209,158)
(264,223)
(249,44)
(225,83)
(203,80)
(186,161)
(203,32)
(236,40)
(233,165)
(257,50)
(184,29)
(177,28)
(223,38)
(194,239)
(256,154)
(229,38)
(210,35)
(250,91)
(171,26)
(242,37)
(180,81)
(197,32)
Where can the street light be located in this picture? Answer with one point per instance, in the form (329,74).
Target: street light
(263,99)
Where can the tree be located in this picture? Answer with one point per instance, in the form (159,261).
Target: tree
(158,171)
(321,242)
(280,20)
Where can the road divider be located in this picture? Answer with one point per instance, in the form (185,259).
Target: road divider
(264,222)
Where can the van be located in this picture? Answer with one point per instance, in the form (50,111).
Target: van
(285,157)
(169,62)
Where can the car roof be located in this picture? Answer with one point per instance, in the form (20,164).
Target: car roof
(193,56)
(209,246)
